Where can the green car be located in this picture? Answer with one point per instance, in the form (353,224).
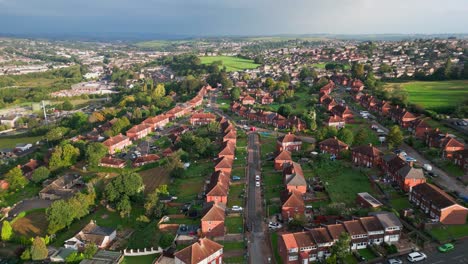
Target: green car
(446,247)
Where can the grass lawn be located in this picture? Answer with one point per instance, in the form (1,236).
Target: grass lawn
(154,177)
(320,65)
(148,259)
(30,190)
(400,203)
(187,187)
(238,171)
(439,96)
(274,245)
(233,245)
(350,259)
(231,63)
(452,169)
(342,181)
(268,144)
(234,197)
(272,179)
(234,224)
(371,137)
(33,224)
(233,260)
(11,141)
(448,232)
(367,254)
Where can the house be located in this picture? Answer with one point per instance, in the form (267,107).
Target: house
(367,156)
(383,108)
(102,237)
(157,122)
(218,189)
(204,251)
(293,205)
(366,200)
(29,167)
(391,224)
(248,100)
(359,238)
(146,159)
(375,230)
(401,116)
(228,150)
(224,164)
(323,240)
(61,188)
(293,177)
(212,222)
(139,131)
(408,177)
(335,121)
(333,146)
(335,231)
(438,204)
(267,99)
(198,119)
(460,158)
(297,123)
(112,162)
(288,142)
(282,158)
(343,112)
(307,247)
(231,136)
(447,143)
(9,120)
(420,128)
(117,143)
(288,248)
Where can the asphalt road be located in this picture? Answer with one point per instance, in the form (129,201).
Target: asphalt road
(259,248)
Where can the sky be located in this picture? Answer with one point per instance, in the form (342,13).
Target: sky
(234,17)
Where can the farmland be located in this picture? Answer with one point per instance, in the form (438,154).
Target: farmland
(441,96)
(231,63)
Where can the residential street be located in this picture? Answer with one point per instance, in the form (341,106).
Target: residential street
(259,246)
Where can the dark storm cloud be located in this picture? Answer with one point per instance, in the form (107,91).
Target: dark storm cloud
(234,17)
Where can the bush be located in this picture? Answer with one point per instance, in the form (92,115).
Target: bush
(391,249)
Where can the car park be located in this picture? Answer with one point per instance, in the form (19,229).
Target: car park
(416,256)
(446,247)
(237,208)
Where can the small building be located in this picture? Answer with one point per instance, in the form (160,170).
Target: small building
(102,237)
(366,200)
(146,159)
(248,100)
(61,188)
(289,142)
(293,205)
(335,121)
(204,251)
(333,146)
(117,143)
(199,119)
(112,162)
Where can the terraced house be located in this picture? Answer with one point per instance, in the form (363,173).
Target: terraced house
(117,143)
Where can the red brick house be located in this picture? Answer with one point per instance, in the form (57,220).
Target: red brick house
(293,177)
(248,100)
(401,116)
(438,204)
(420,128)
(297,123)
(282,158)
(112,162)
(267,99)
(139,131)
(335,121)
(357,85)
(157,122)
(375,230)
(367,156)
(224,164)
(29,167)
(359,238)
(447,144)
(342,111)
(117,143)
(218,189)
(231,136)
(383,108)
(333,146)
(146,159)
(198,119)
(293,205)
(228,150)
(460,158)
(203,251)
(212,222)
(288,142)
(402,172)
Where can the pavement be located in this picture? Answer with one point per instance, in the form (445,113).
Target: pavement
(259,245)
(28,204)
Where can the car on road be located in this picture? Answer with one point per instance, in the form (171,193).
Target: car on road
(237,208)
(416,256)
(273,225)
(427,167)
(257,184)
(394,261)
(446,247)
(257,177)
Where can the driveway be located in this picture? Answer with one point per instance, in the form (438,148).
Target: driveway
(26,205)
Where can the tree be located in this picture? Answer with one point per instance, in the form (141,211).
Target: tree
(26,255)
(63,157)
(40,174)
(394,137)
(285,110)
(331,132)
(213,127)
(269,83)
(7,231)
(124,206)
(16,179)
(57,133)
(123,187)
(39,249)
(310,118)
(95,152)
(96,117)
(67,105)
(357,70)
(346,136)
(159,92)
(360,138)
(90,250)
(77,120)
(341,247)
(235,93)
(59,215)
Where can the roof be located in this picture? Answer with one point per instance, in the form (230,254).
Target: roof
(370,199)
(336,230)
(289,240)
(228,149)
(321,235)
(92,233)
(371,224)
(217,190)
(367,150)
(223,163)
(303,239)
(438,197)
(289,138)
(114,140)
(409,172)
(214,212)
(387,219)
(198,251)
(146,158)
(203,116)
(284,155)
(294,200)
(112,161)
(334,143)
(354,227)
(334,119)
(394,162)
(296,180)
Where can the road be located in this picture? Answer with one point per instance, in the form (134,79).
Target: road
(259,246)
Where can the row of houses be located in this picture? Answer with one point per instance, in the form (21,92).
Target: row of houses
(268,117)
(214,213)
(151,124)
(314,244)
(261,96)
(339,114)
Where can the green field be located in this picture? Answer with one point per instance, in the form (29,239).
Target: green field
(231,63)
(11,141)
(448,232)
(441,96)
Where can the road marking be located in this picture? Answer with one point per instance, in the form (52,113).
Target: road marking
(457,257)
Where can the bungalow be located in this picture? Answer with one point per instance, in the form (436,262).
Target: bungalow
(335,121)
(146,159)
(29,167)
(288,142)
(117,143)
(212,222)
(333,146)
(359,238)
(438,204)
(198,119)
(248,100)
(367,156)
(203,251)
(112,162)
(282,158)
(61,188)
(293,177)
(102,237)
(293,205)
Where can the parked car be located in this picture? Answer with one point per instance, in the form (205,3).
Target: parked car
(273,225)
(257,184)
(394,261)
(446,247)
(257,177)
(416,256)
(236,178)
(427,167)
(237,208)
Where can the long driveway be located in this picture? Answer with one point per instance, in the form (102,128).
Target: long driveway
(259,248)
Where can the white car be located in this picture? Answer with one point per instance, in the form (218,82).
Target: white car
(273,225)
(257,177)
(237,208)
(416,256)
(394,261)
(257,184)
